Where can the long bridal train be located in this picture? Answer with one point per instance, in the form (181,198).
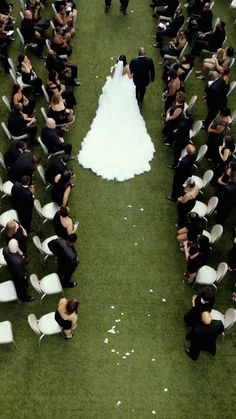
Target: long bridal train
(117,147)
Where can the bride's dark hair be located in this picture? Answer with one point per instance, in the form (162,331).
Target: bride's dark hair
(123,58)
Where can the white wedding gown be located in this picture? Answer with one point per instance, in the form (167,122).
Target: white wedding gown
(117,147)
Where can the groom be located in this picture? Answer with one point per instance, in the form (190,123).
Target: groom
(143,71)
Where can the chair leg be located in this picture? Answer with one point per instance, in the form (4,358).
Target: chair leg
(41,337)
(14,343)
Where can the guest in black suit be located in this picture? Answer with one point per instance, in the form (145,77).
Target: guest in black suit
(203,336)
(123,6)
(16,264)
(66,71)
(181,136)
(22,197)
(20,124)
(30,34)
(216,96)
(143,71)
(210,41)
(170,29)
(58,167)
(204,301)
(52,140)
(182,172)
(202,23)
(25,164)
(13,152)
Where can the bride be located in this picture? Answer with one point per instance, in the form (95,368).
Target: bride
(117,147)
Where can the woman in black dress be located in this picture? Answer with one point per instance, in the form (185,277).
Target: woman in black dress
(173,116)
(61,188)
(55,86)
(18,97)
(66,316)
(63,223)
(28,73)
(197,254)
(186,202)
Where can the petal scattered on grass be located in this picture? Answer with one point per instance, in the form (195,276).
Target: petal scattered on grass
(153,360)
(151,290)
(112,307)
(165,389)
(106,340)
(118,403)
(164,300)
(141,209)
(129,206)
(124,357)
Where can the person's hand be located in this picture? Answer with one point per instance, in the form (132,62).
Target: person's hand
(193,299)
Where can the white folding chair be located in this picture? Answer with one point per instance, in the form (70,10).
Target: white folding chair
(191,103)
(8,216)
(231,87)
(46,212)
(41,173)
(197,126)
(2,259)
(204,182)
(45,93)
(6,102)
(215,233)
(204,210)
(6,334)
(2,162)
(209,276)
(45,150)
(22,41)
(10,136)
(48,285)
(43,246)
(45,326)
(201,153)
(188,75)
(228,319)
(8,292)
(5,188)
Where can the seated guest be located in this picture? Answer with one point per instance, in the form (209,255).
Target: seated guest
(61,188)
(175,47)
(13,152)
(25,164)
(182,172)
(169,29)
(16,264)
(186,202)
(211,41)
(59,112)
(168,8)
(203,336)
(184,66)
(173,86)
(66,20)
(197,254)
(201,23)
(61,42)
(30,34)
(217,130)
(57,166)
(204,301)
(63,223)
(20,124)
(18,97)
(5,7)
(14,230)
(66,316)
(28,73)
(66,71)
(193,228)
(22,197)
(35,7)
(219,62)
(52,140)
(54,86)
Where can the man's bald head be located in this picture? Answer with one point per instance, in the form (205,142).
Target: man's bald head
(141,51)
(50,123)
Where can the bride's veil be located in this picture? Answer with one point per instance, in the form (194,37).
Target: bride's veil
(118,70)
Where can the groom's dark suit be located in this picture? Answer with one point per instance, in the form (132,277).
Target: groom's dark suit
(143,72)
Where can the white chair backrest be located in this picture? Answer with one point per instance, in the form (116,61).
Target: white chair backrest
(232,62)
(2,162)
(37,243)
(207,177)
(35,283)
(212,204)
(230,318)
(188,75)
(5,129)
(44,113)
(233,117)
(196,128)
(22,5)
(1,184)
(192,102)
(221,271)
(231,87)
(40,170)
(32,320)
(183,50)
(38,207)
(44,148)
(48,45)
(21,15)
(21,38)
(45,93)
(201,153)
(54,9)
(212,4)
(13,76)
(6,102)
(52,25)
(216,232)
(12,65)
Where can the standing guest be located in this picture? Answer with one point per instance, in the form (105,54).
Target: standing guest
(66,316)
(224,157)
(61,189)
(203,336)
(181,136)
(204,301)
(123,6)
(30,34)
(216,96)
(14,230)
(197,254)
(173,86)
(217,130)
(67,259)
(143,72)
(52,140)
(16,265)
(22,196)
(63,223)
(182,172)
(173,117)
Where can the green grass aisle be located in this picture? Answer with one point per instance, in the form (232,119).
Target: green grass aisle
(129,277)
